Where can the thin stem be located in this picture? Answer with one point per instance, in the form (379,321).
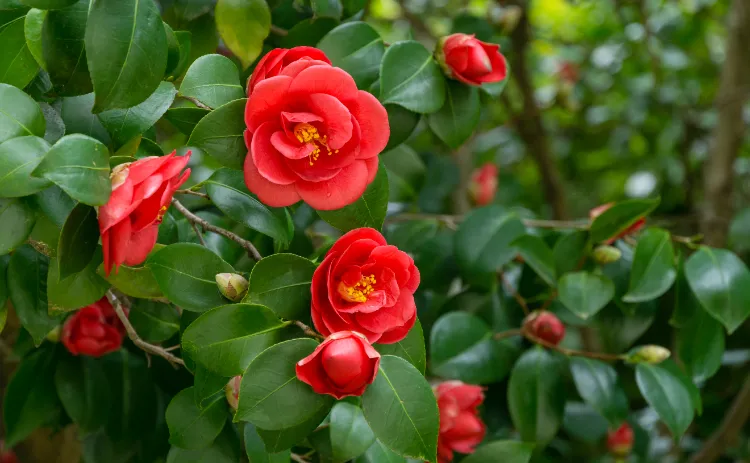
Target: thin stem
(252,251)
(572,352)
(198,232)
(307,330)
(298,458)
(133,335)
(508,334)
(575,224)
(193,193)
(195,101)
(519,299)
(279,30)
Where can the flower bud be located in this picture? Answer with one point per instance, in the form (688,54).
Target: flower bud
(232,286)
(648,354)
(232,391)
(545,326)
(483,185)
(605,254)
(471,61)
(54,335)
(620,441)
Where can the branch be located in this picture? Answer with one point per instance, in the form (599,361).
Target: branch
(519,299)
(298,458)
(143,345)
(508,334)
(193,193)
(573,352)
(247,245)
(195,101)
(307,330)
(279,30)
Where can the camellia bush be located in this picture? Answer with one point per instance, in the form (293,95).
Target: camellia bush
(250,230)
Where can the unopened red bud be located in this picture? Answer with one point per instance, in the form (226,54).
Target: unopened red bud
(232,286)
(620,441)
(545,326)
(606,254)
(232,391)
(648,354)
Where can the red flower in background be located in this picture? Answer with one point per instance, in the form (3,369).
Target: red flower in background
(141,193)
(599,210)
(94,330)
(620,441)
(277,59)
(546,326)
(461,428)
(342,365)
(365,285)
(471,61)
(483,184)
(311,135)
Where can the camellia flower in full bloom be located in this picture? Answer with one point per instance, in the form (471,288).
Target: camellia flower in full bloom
(599,210)
(365,285)
(461,428)
(312,136)
(277,59)
(342,365)
(471,61)
(141,193)
(483,184)
(94,330)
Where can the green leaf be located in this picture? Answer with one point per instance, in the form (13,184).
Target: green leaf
(18,158)
(126,124)
(127,71)
(598,386)
(19,114)
(55,204)
(4,260)
(686,304)
(719,280)
(243,25)
(207,385)
(569,250)
(501,451)
(48,4)
(308,32)
(225,449)
(133,281)
(585,293)
(32,29)
(63,52)
(228,192)
(17,219)
(76,291)
(368,211)
(620,217)
(327,9)
(55,125)
(410,77)
(456,121)
(351,436)
(154,321)
(256,451)
(220,134)
(666,394)
(653,270)
(186,118)
(271,396)
(276,441)
(17,64)
(700,345)
(462,347)
(78,240)
(402,122)
(27,287)
(536,395)
(406,173)
(695,395)
(226,339)
(193,428)
(379,453)
(214,80)
(356,48)
(78,118)
(411,348)
(184,47)
(282,282)
(538,256)
(84,391)
(186,274)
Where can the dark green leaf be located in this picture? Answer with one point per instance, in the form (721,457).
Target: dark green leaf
(55,125)
(582,422)
(356,48)
(154,321)
(456,120)
(666,394)
(308,32)
(367,211)
(327,9)
(653,270)
(620,217)
(538,256)
(379,453)
(77,290)
(17,219)
(48,4)
(281,282)
(17,64)
(406,173)
(32,29)
(351,436)
(18,158)
(695,395)
(700,345)
(686,304)
(214,80)
(84,391)
(186,118)
(256,451)
(4,260)
(501,451)
(598,386)
(243,25)
(63,52)
(78,118)
(402,123)
(276,441)
(410,77)
(207,385)
(133,281)
(54,203)
(184,47)
(193,428)
(19,114)
(27,287)
(78,240)
(585,293)
(220,134)
(411,348)
(225,449)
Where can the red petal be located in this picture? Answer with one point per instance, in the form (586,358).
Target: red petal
(396,260)
(342,190)
(499,67)
(343,362)
(270,194)
(288,149)
(357,234)
(296,53)
(175,165)
(267,101)
(325,79)
(298,66)
(106,253)
(141,243)
(119,240)
(337,118)
(372,168)
(268,161)
(269,60)
(389,318)
(373,124)
(399,333)
(141,169)
(118,207)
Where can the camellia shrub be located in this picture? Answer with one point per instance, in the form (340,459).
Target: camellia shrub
(218,245)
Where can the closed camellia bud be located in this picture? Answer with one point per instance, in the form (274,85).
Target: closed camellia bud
(545,326)
(94,330)
(461,428)
(637,225)
(232,391)
(606,254)
(483,185)
(620,441)
(342,365)
(648,354)
(471,61)
(275,61)
(232,286)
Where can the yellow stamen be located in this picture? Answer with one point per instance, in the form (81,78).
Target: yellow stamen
(360,291)
(307,133)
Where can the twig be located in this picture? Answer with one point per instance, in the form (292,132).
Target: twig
(298,458)
(195,101)
(170,349)
(148,348)
(247,245)
(308,331)
(519,299)
(198,232)
(572,352)
(279,30)
(575,224)
(191,192)
(508,334)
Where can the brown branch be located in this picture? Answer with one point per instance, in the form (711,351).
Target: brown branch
(247,245)
(195,101)
(307,330)
(519,299)
(508,334)
(573,352)
(279,30)
(198,232)
(298,458)
(193,193)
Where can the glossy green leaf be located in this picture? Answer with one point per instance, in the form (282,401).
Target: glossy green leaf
(225,449)
(327,9)
(411,348)
(154,321)
(379,453)
(695,394)
(77,290)
(133,281)
(17,219)
(207,384)
(78,240)
(226,339)
(48,4)
(185,118)
(243,25)
(719,279)
(281,282)
(55,125)
(700,345)
(191,427)
(84,391)
(351,436)
(27,287)
(455,122)
(356,48)
(214,80)
(653,270)
(18,158)
(536,395)
(598,386)
(271,396)
(32,29)
(19,114)
(17,64)
(185,45)
(220,134)
(78,118)
(4,261)
(406,172)
(402,122)
(501,451)
(620,217)
(256,451)
(401,409)
(186,274)
(410,77)
(538,256)
(585,293)
(63,52)
(686,304)
(368,211)
(666,394)
(308,32)
(276,441)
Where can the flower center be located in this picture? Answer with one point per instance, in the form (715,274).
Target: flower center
(160,214)
(360,291)
(307,133)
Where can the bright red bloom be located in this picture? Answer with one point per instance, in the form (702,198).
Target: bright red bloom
(342,365)
(483,184)
(94,330)
(471,61)
(546,326)
(277,59)
(620,441)
(599,210)
(141,193)
(367,286)
(461,428)
(313,136)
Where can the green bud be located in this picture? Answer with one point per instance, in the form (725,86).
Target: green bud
(54,335)
(650,354)
(232,286)
(606,254)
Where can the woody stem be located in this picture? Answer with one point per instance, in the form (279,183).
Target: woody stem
(307,330)
(571,352)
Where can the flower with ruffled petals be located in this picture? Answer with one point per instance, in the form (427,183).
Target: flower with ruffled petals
(461,428)
(471,61)
(277,59)
(94,330)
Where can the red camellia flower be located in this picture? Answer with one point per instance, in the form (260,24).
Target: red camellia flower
(599,210)
(276,60)
(94,330)
(367,286)
(313,136)
(342,365)
(461,428)
(471,61)
(141,193)
(546,326)
(483,184)
(620,441)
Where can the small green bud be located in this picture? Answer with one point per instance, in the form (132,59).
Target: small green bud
(232,286)
(606,254)
(54,335)
(650,354)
